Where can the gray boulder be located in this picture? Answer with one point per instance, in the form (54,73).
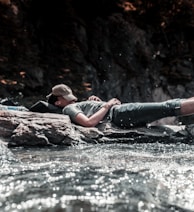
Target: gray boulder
(20,128)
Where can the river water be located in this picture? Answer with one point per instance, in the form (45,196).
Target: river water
(100,177)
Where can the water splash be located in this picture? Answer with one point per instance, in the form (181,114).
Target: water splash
(111,177)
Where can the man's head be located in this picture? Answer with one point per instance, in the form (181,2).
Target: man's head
(61,95)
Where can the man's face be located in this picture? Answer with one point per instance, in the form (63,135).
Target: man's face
(61,102)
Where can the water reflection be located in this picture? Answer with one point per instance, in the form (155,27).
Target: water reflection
(109,177)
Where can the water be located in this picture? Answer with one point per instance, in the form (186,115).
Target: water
(102,177)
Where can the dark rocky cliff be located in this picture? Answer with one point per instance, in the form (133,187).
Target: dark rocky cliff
(133,50)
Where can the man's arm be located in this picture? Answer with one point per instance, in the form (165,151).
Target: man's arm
(93,120)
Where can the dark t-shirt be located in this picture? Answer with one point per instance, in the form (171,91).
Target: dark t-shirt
(88,108)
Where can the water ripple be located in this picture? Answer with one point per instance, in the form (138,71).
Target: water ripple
(111,177)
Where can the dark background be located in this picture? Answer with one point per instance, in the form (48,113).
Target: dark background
(132,50)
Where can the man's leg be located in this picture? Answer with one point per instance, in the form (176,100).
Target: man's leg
(139,114)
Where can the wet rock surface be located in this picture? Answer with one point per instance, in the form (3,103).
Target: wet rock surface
(45,129)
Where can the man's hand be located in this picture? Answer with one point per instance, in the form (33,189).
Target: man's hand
(112,102)
(94,98)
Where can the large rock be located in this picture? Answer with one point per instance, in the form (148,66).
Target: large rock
(43,129)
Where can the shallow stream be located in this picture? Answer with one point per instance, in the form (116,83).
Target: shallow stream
(101,177)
